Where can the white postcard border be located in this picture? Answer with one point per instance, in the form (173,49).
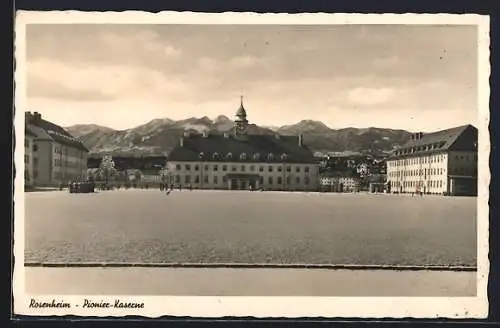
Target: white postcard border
(362,307)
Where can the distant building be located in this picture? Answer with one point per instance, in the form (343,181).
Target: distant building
(57,157)
(443,162)
(239,160)
(339,182)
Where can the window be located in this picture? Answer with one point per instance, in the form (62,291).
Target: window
(270,157)
(233,168)
(178,167)
(270,180)
(252,168)
(288,168)
(177,179)
(205,179)
(306,169)
(188,167)
(243,156)
(261,179)
(196,167)
(306,180)
(216,180)
(187,179)
(205,167)
(224,179)
(224,168)
(261,168)
(270,168)
(297,169)
(196,179)
(288,180)
(280,181)
(216,167)
(280,169)
(256,156)
(242,168)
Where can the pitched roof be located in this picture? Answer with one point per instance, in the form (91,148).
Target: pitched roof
(54,131)
(461,138)
(252,148)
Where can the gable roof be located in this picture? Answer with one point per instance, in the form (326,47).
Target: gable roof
(252,148)
(461,138)
(54,131)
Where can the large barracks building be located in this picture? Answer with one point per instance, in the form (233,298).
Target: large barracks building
(443,162)
(240,160)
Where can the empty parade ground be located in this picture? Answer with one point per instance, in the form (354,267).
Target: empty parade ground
(223,227)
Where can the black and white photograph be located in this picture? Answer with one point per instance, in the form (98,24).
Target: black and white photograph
(259,165)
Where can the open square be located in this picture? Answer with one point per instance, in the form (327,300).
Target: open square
(147,226)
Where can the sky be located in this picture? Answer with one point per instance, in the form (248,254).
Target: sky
(418,78)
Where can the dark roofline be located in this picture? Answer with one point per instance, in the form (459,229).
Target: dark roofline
(433,143)
(56,132)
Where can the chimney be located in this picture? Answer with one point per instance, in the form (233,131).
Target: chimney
(181,142)
(37,116)
(300,140)
(420,135)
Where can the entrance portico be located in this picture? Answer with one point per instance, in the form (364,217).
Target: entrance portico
(242,181)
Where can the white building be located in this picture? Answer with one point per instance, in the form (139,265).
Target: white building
(239,160)
(443,162)
(57,157)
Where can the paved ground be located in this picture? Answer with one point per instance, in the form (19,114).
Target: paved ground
(247,282)
(254,227)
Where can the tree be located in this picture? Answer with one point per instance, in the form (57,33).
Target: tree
(107,168)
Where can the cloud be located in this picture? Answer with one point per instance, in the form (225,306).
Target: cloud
(371,96)
(84,83)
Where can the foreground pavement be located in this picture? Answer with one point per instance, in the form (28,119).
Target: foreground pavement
(247,282)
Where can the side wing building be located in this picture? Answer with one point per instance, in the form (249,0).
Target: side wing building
(443,162)
(52,155)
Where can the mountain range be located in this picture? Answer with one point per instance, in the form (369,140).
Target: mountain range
(159,136)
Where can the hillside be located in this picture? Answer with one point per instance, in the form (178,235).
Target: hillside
(159,136)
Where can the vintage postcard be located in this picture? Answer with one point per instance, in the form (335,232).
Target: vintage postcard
(257,165)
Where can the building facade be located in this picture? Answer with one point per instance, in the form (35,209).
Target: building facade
(443,162)
(29,138)
(57,157)
(338,182)
(238,160)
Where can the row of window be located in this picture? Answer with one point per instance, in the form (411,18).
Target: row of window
(243,156)
(429,159)
(415,184)
(215,180)
(416,172)
(417,160)
(242,168)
